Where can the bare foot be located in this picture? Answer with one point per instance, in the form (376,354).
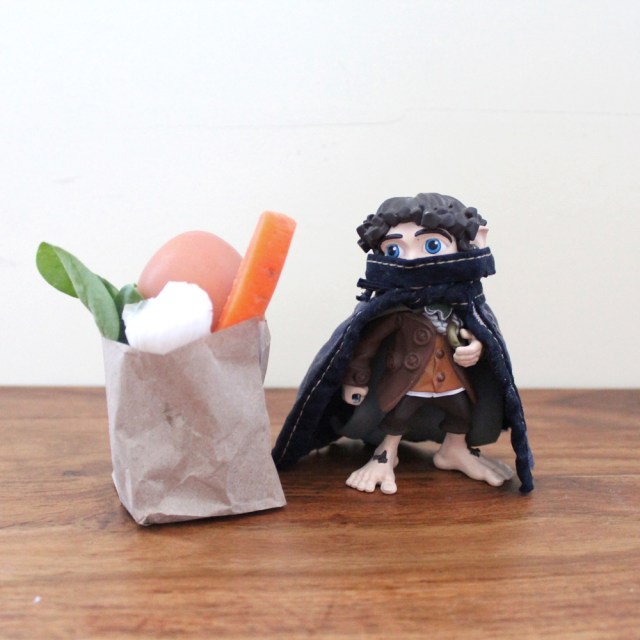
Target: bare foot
(379,470)
(455,455)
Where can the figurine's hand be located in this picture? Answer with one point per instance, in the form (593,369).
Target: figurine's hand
(354,395)
(469,354)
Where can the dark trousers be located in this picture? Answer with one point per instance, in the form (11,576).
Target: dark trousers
(457,413)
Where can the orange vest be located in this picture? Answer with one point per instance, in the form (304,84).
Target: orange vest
(439,375)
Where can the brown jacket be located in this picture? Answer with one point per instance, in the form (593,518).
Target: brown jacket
(411,350)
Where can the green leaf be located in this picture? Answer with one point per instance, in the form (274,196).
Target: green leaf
(52,270)
(112,289)
(129,294)
(67,274)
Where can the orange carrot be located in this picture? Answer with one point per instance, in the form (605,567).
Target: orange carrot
(259,270)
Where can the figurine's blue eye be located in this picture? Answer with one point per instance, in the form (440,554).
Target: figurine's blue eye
(433,246)
(392,250)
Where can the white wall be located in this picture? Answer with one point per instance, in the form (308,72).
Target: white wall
(123,124)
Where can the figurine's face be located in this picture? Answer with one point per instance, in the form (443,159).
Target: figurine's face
(409,241)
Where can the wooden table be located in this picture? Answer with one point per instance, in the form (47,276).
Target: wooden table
(446,557)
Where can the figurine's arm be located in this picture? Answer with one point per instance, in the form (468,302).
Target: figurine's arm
(469,354)
(356,380)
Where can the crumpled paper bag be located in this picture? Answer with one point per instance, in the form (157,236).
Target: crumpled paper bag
(189,430)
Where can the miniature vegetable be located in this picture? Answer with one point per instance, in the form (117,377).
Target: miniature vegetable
(67,274)
(259,271)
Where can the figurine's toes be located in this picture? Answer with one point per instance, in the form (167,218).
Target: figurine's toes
(389,487)
(364,480)
(358,480)
(492,478)
(367,485)
(353,480)
(498,467)
(506,470)
(478,470)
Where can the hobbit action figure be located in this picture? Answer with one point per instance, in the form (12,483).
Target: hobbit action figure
(421,357)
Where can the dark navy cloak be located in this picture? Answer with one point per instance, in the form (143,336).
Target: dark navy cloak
(320,415)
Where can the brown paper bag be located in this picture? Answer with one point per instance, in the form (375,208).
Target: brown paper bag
(189,430)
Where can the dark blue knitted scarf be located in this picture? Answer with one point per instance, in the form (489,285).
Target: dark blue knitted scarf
(447,275)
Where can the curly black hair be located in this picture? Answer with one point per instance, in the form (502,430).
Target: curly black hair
(429,210)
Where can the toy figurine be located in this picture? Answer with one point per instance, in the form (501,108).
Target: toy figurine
(421,357)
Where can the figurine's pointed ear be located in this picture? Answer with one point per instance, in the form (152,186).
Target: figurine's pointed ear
(481,237)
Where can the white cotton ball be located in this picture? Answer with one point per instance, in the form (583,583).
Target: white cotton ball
(178,315)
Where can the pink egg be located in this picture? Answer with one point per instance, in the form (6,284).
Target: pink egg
(198,257)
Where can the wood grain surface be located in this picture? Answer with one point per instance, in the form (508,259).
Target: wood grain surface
(446,557)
